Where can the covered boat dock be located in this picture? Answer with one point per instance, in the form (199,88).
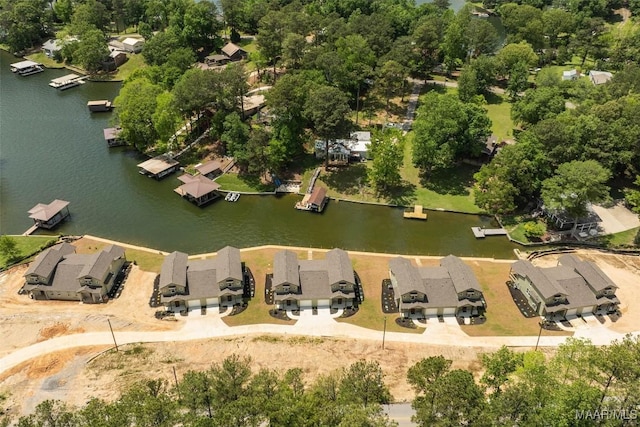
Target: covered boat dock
(159,166)
(198,189)
(26,68)
(48,216)
(66,82)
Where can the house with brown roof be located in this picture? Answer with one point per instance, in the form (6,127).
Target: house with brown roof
(60,274)
(573,287)
(198,189)
(191,284)
(234,52)
(450,289)
(306,284)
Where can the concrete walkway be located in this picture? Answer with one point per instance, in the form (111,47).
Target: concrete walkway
(212,326)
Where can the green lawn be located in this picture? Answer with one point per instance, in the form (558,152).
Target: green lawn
(45,60)
(133,63)
(449,189)
(29,245)
(235,182)
(622,239)
(499,111)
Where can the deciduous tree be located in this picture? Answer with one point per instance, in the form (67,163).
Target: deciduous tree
(574,185)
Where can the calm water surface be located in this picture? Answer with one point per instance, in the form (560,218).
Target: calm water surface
(52,147)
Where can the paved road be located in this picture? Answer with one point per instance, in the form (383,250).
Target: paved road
(211,325)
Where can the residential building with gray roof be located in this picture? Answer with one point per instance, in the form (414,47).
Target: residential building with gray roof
(59,273)
(573,287)
(191,284)
(449,289)
(319,283)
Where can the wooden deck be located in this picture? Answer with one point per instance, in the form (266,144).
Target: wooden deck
(416,213)
(481,233)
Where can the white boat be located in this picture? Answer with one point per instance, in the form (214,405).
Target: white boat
(232,197)
(26,68)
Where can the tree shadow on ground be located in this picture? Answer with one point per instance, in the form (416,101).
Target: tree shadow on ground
(403,194)
(298,166)
(453,181)
(493,99)
(434,87)
(347,180)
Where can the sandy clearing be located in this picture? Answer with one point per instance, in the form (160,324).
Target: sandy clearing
(68,376)
(24,322)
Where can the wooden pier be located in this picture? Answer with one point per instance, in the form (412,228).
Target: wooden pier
(416,213)
(481,233)
(31,230)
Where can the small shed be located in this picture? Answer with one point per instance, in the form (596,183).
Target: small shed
(132,45)
(570,75)
(115,59)
(599,77)
(214,60)
(48,216)
(234,52)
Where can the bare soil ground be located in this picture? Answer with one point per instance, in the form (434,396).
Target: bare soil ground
(72,377)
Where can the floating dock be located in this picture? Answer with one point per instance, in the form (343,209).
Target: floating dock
(481,233)
(66,82)
(416,213)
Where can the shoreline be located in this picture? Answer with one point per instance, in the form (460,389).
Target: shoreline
(293,248)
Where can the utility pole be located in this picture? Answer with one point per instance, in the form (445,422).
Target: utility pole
(384,331)
(175,377)
(539,333)
(113,335)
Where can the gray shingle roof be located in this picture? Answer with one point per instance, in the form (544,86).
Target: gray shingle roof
(285,268)
(461,274)
(545,285)
(594,276)
(339,267)
(100,262)
(66,276)
(228,264)
(174,270)
(408,277)
(314,276)
(437,283)
(47,260)
(44,212)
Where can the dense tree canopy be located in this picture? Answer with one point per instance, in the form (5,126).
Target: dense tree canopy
(574,185)
(446,130)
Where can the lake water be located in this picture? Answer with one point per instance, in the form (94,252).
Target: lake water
(51,147)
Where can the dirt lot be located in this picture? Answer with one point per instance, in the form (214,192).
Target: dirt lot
(71,376)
